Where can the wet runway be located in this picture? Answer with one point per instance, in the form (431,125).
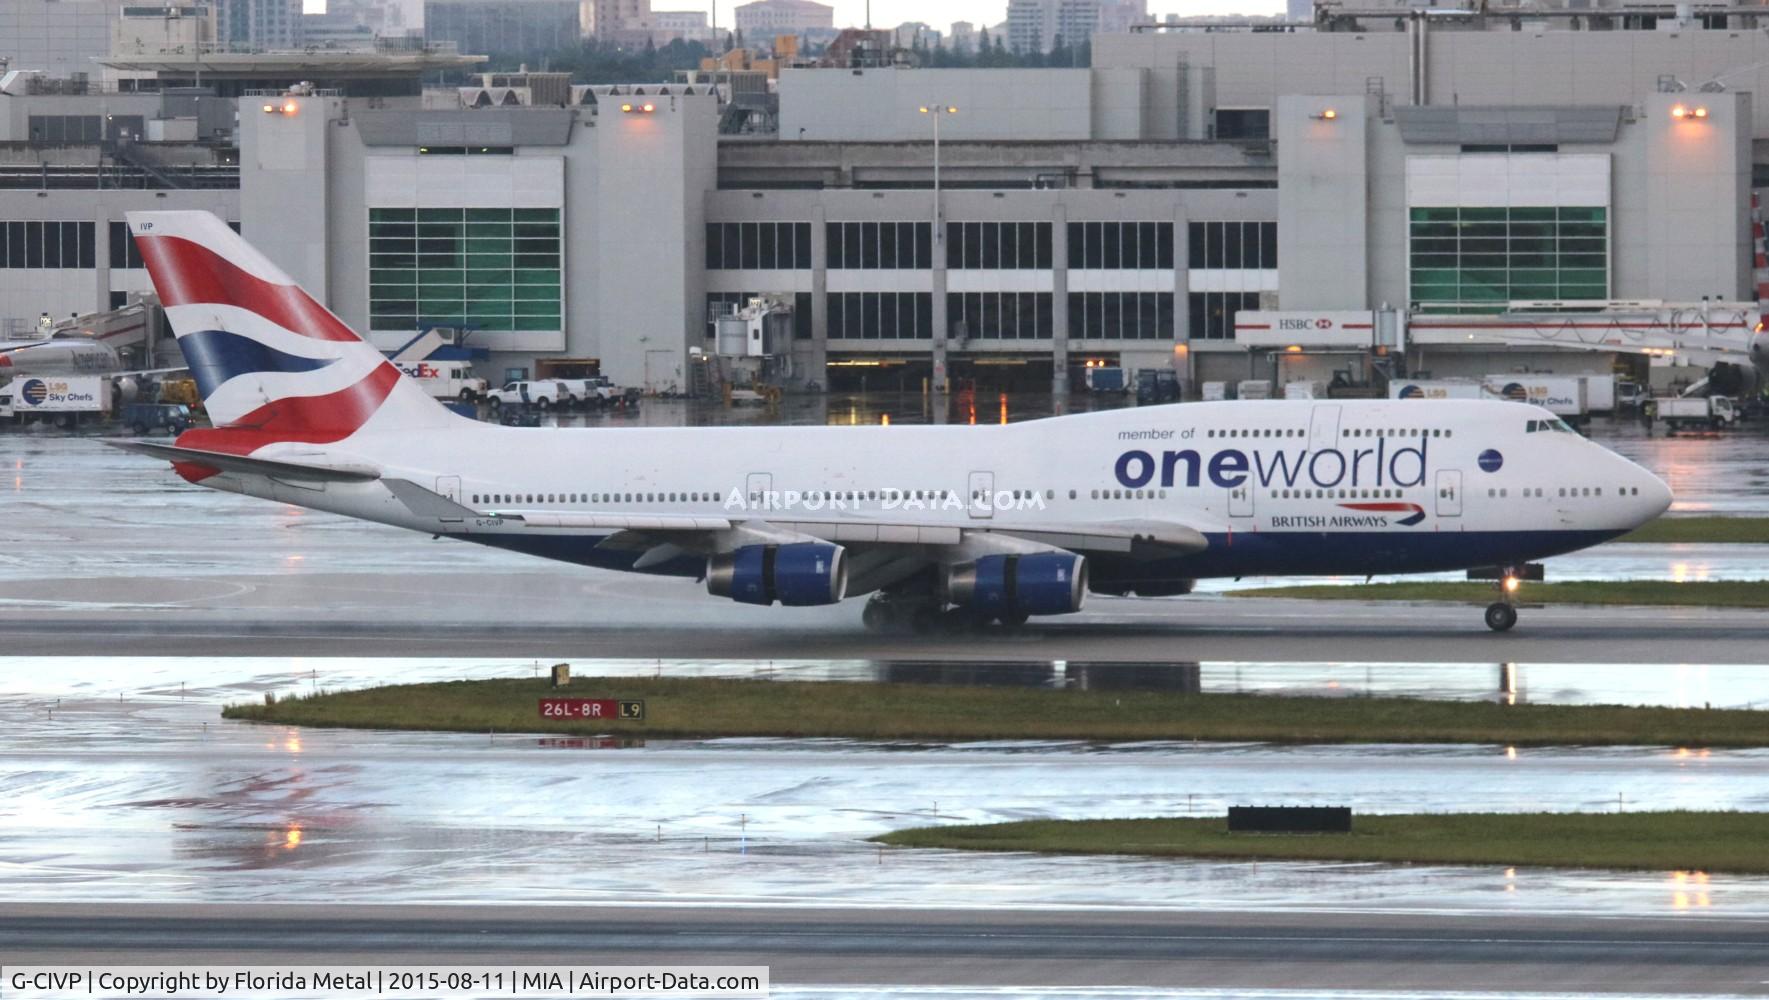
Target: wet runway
(596,615)
(118,781)
(1520,954)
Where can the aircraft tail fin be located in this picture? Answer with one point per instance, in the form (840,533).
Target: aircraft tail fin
(272,363)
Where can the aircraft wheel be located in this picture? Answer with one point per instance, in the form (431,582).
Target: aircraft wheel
(876,617)
(1500,616)
(1014,620)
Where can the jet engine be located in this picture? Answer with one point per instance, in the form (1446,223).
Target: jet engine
(1740,380)
(798,574)
(1011,586)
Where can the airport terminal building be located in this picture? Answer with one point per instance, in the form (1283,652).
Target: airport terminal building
(1117,215)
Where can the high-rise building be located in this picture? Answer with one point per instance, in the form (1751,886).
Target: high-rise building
(1117,16)
(258,24)
(503,26)
(1039,25)
(962,37)
(607,18)
(767,18)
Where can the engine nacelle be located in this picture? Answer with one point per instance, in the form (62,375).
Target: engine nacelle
(799,574)
(1739,381)
(1040,583)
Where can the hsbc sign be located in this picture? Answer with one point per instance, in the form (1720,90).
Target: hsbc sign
(1305,329)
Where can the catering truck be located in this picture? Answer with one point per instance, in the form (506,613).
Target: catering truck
(1700,413)
(1436,388)
(1565,396)
(59,399)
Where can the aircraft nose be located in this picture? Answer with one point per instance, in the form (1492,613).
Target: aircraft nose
(1655,496)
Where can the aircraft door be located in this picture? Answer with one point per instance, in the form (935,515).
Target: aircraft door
(1449,493)
(1323,428)
(1240,499)
(450,487)
(756,490)
(981,495)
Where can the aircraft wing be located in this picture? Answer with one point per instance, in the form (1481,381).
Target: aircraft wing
(147,371)
(274,468)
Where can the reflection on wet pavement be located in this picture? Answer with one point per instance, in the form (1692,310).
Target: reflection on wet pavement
(1671,685)
(119,781)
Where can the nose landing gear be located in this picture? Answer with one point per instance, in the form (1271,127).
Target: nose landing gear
(1502,613)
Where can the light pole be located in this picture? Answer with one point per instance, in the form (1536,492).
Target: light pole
(938,111)
(938,265)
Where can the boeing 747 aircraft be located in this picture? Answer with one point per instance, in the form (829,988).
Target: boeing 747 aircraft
(936,523)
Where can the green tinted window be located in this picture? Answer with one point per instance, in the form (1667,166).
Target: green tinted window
(494,269)
(1478,259)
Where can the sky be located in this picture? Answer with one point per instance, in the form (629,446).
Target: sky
(941,13)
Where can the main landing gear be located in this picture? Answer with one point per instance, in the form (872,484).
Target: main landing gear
(924,614)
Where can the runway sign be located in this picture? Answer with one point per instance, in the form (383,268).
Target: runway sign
(592,708)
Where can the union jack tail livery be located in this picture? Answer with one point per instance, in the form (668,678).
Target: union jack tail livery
(273,365)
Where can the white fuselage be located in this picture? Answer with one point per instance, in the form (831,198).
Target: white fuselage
(1301,487)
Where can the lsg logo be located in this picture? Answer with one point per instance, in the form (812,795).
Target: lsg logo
(1305,324)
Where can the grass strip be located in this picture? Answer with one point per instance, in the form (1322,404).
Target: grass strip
(693,708)
(1728,530)
(1698,593)
(1676,842)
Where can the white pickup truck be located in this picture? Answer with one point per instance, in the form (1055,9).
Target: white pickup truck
(594,392)
(542,394)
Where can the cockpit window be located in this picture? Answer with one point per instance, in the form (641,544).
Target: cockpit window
(1546,426)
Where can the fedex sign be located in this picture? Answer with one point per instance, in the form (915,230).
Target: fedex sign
(1306,329)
